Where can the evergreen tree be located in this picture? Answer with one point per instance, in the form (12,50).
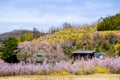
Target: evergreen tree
(8,50)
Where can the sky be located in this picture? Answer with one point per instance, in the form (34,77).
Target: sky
(44,14)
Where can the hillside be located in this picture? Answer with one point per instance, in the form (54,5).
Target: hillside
(19,33)
(75,38)
(14,33)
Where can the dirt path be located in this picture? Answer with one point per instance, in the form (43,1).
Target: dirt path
(73,77)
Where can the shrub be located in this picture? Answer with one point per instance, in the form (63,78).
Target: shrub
(117,48)
(61,73)
(101,70)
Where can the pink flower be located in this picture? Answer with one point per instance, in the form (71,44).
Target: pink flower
(118,34)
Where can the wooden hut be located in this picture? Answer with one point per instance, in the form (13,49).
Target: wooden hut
(86,54)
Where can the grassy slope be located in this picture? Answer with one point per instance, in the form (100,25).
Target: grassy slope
(73,77)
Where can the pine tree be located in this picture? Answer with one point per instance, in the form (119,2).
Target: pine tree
(8,50)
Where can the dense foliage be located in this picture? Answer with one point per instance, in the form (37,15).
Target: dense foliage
(109,23)
(108,65)
(8,50)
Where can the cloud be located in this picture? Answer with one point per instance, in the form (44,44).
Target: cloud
(50,19)
(54,12)
(52,0)
(98,5)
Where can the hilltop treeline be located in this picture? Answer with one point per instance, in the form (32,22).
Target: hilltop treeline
(109,23)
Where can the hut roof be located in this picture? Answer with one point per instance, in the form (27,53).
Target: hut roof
(83,52)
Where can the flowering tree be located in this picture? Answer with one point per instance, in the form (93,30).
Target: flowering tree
(55,52)
(25,50)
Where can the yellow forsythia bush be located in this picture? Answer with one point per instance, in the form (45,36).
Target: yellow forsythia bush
(101,70)
(117,47)
(61,73)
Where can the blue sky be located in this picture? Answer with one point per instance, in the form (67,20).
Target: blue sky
(42,14)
